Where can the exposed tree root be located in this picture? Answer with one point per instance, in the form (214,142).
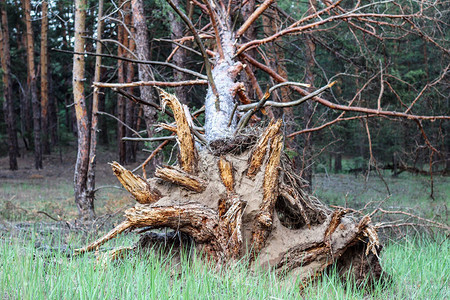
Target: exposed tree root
(247,202)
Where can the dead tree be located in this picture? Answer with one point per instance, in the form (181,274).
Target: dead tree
(233,190)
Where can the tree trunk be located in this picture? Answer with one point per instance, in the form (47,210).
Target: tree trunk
(90,184)
(84,201)
(338,162)
(8,106)
(53,119)
(32,87)
(220,123)
(130,106)
(122,39)
(26,117)
(180,56)
(307,171)
(145,72)
(103,125)
(44,80)
(275,55)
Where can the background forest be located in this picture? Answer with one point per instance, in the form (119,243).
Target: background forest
(406,65)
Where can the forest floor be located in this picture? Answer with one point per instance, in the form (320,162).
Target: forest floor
(37,216)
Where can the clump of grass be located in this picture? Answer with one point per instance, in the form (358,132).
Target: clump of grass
(419,269)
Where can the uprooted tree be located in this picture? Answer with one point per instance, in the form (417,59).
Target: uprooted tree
(234,191)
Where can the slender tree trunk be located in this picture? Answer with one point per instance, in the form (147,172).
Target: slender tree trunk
(94,121)
(250,35)
(120,99)
(103,125)
(180,56)
(26,118)
(338,162)
(44,80)
(145,72)
(130,105)
(8,109)
(32,87)
(275,54)
(308,105)
(84,202)
(53,113)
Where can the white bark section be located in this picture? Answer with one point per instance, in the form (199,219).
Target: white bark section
(216,122)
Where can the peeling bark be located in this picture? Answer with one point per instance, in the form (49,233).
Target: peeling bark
(226,174)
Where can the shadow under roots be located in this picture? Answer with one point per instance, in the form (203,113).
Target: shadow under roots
(168,244)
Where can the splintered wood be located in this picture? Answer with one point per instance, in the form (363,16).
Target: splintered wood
(259,152)
(188,153)
(226,174)
(264,220)
(181,178)
(137,186)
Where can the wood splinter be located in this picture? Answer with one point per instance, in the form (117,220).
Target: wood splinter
(259,152)
(181,178)
(188,153)
(263,222)
(137,186)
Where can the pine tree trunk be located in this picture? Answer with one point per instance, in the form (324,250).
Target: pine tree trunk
(84,201)
(8,106)
(26,117)
(180,56)
(307,170)
(120,99)
(44,80)
(145,72)
(130,106)
(90,184)
(53,113)
(32,87)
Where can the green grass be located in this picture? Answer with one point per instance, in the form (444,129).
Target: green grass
(408,192)
(419,268)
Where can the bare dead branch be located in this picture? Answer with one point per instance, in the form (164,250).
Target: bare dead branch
(287,104)
(150,83)
(334,106)
(120,121)
(140,101)
(152,139)
(138,61)
(252,18)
